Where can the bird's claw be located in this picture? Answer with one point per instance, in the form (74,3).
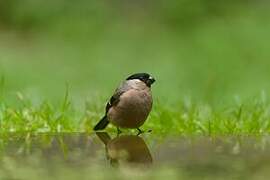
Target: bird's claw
(118,131)
(141,132)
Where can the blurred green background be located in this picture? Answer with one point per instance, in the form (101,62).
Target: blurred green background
(209,51)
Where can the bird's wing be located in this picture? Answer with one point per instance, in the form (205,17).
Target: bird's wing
(116,96)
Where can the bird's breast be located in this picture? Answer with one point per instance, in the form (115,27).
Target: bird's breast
(132,109)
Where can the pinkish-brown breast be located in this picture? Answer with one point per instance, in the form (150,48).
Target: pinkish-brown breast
(132,110)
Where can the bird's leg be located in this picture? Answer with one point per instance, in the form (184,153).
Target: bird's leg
(139,131)
(118,131)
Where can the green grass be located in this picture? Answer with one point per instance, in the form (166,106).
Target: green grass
(204,63)
(61,61)
(183,118)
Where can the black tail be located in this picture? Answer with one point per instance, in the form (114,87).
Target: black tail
(102,124)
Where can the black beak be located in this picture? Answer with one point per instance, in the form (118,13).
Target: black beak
(151,80)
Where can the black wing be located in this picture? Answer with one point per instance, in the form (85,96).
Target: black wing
(114,99)
(116,96)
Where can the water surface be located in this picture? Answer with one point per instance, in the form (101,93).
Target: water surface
(103,156)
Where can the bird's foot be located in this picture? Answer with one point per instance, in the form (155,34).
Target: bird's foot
(118,131)
(141,131)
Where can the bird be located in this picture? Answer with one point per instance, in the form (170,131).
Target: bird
(130,104)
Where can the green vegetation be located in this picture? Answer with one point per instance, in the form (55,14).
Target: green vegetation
(61,60)
(186,118)
(211,62)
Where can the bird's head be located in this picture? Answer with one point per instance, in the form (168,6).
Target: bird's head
(144,77)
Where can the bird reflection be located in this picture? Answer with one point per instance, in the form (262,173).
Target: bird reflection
(126,149)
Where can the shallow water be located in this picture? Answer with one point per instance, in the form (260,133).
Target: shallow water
(102,156)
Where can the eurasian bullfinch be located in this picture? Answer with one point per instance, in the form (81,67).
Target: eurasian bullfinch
(130,104)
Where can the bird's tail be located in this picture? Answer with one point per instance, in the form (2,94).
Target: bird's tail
(102,124)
